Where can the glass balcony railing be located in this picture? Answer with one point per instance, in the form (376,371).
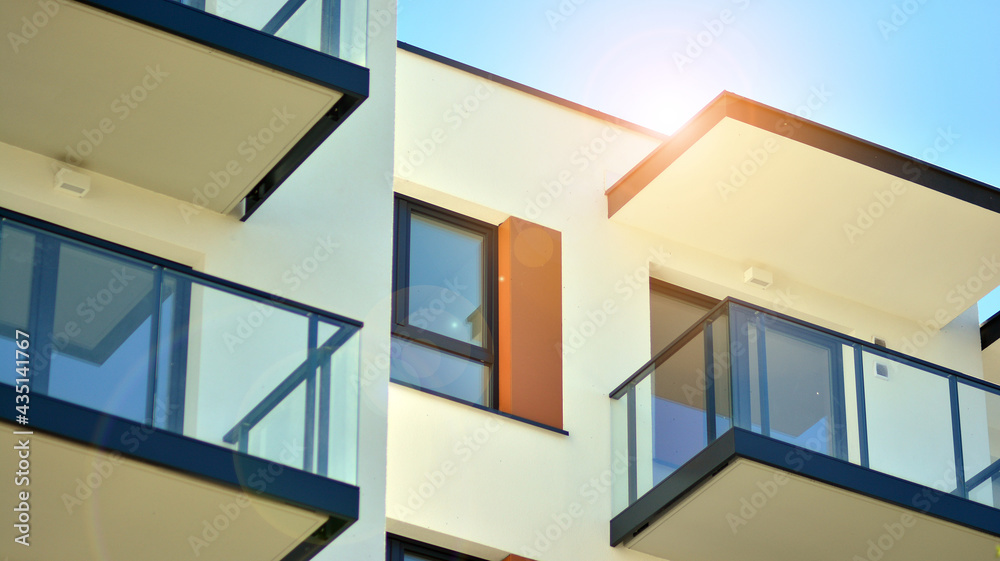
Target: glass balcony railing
(336,27)
(746,367)
(181,351)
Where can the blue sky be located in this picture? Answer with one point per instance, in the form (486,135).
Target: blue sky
(897,73)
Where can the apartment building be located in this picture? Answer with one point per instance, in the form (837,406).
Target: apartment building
(782,316)
(285,289)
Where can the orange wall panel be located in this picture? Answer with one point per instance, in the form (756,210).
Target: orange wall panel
(530,321)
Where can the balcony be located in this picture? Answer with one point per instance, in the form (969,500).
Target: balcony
(214,104)
(159,397)
(758,436)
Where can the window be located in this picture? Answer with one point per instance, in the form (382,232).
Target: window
(444,303)
(402,549)
(672,311)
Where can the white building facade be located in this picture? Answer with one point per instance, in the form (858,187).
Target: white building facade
(335,297)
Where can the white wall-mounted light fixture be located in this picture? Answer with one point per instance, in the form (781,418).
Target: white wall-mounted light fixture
(72,183)
(758,277)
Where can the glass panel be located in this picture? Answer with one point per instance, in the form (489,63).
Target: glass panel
(793,379)
(649,471)
(909,422)
(447,282)
(681,403)
(254,14)
(799,389)
(280,435)
(171,358)
(354,29)
(721,389)
(325,330)
(102,331)
(238,351)
(302,27)
(435,370)
(680,428)
(223,360)
(619,454)
(342,459)
(980,421)
(17,259)
(988,492)
(670,317)
(852,422)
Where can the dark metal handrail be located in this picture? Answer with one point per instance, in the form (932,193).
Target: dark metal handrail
(671,348)
(288,385)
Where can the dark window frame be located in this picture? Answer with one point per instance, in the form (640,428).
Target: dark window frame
(486,355)
(398,546)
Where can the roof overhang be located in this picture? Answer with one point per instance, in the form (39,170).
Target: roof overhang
(753,498)
(761,187)
(167,97)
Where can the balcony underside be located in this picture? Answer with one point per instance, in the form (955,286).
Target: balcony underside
(750,497)
(168,98)
(760,187)
(105,488)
